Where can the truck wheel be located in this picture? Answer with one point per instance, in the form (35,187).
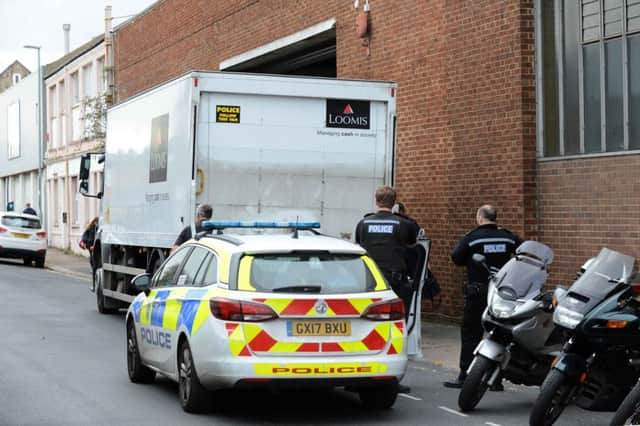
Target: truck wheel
(476,383)
(553,398)
(100,297)
(138,373)
(628,412)
(192,393)
(379,397)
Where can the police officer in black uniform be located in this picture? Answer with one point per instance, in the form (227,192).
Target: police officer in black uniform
(497,245)
(386,236)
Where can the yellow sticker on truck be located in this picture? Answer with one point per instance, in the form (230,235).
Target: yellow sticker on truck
(325,370)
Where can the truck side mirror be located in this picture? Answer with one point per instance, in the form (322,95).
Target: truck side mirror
(84,187)
(85,167)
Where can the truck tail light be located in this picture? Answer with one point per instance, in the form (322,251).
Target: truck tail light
(3,229)
(240,310)
(390,310)
(41,234)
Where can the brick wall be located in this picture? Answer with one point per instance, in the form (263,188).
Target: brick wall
(588,204)
(466,101)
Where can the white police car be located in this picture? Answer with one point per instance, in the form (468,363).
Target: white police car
(277,310)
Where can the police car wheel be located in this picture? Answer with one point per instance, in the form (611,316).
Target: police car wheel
(138,373)
(192,393)
(379,397)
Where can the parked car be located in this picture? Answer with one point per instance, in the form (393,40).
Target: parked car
(295,311)
(22,237)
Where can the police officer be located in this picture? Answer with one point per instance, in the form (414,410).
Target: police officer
(497,245)
(386,236)
(203,213)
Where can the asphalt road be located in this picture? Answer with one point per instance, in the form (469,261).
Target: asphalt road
(62,363)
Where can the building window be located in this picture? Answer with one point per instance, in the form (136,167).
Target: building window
(75,213)
(16,78)
(75,88)
(100,76)
(590,74)
(88,81)
(56,202)
(13,130)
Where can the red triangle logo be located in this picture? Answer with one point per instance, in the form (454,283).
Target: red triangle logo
(348,110)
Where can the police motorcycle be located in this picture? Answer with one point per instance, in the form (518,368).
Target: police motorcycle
(519,339)
(600,319)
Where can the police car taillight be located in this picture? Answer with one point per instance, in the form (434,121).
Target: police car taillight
(240,310)
(390,310)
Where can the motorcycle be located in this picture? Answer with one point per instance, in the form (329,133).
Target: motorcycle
(628,412)
(518,343)
(600,319)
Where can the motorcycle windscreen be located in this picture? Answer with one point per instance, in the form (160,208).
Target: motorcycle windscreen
(537,250)
(603,275)
(519,278)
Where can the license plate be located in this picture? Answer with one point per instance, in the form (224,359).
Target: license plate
(19,235)
(318,328)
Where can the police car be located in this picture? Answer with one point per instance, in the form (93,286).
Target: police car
(290,309)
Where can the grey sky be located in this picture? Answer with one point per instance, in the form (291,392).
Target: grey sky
(39,22)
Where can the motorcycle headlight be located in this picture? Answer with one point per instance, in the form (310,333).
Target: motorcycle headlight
(502,308)
(566,317)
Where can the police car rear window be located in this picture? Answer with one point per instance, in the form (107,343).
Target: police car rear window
(322,273)
(20,222)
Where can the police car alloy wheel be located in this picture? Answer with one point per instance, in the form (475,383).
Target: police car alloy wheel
(192,394)
(138,373)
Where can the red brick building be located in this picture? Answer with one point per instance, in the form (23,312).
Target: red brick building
(470,74)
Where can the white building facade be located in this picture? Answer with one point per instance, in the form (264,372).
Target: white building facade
(74,88)
(19,145)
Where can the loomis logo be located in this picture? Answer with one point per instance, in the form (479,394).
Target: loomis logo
(348,114)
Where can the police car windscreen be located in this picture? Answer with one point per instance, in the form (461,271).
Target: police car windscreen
(20,222)
(311,272)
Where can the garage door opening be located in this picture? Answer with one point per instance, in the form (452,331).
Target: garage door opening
(311,52)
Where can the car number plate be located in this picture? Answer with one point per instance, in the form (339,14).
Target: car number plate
(318,328)
(19,235)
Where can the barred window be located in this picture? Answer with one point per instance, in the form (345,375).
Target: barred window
(589,96)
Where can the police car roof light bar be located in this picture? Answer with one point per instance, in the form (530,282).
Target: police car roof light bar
(224,224)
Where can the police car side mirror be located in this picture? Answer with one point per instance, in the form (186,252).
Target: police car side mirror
(142,282)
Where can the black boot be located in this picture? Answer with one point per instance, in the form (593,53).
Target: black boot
(457,383)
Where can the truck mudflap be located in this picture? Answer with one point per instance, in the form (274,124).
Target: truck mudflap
(572,365)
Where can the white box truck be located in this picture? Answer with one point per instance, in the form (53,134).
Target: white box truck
(255,147)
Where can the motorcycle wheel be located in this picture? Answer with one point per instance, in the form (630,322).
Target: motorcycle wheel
(553,398)
(628,412)
(476,383)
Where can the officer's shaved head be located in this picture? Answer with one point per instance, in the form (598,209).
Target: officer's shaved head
(385,197)
(486,213)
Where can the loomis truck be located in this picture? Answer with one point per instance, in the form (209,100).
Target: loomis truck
(255,147)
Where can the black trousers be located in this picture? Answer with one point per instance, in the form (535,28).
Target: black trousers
(471,330)
(402,289)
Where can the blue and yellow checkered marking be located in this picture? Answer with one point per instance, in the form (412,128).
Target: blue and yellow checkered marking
(173,309)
